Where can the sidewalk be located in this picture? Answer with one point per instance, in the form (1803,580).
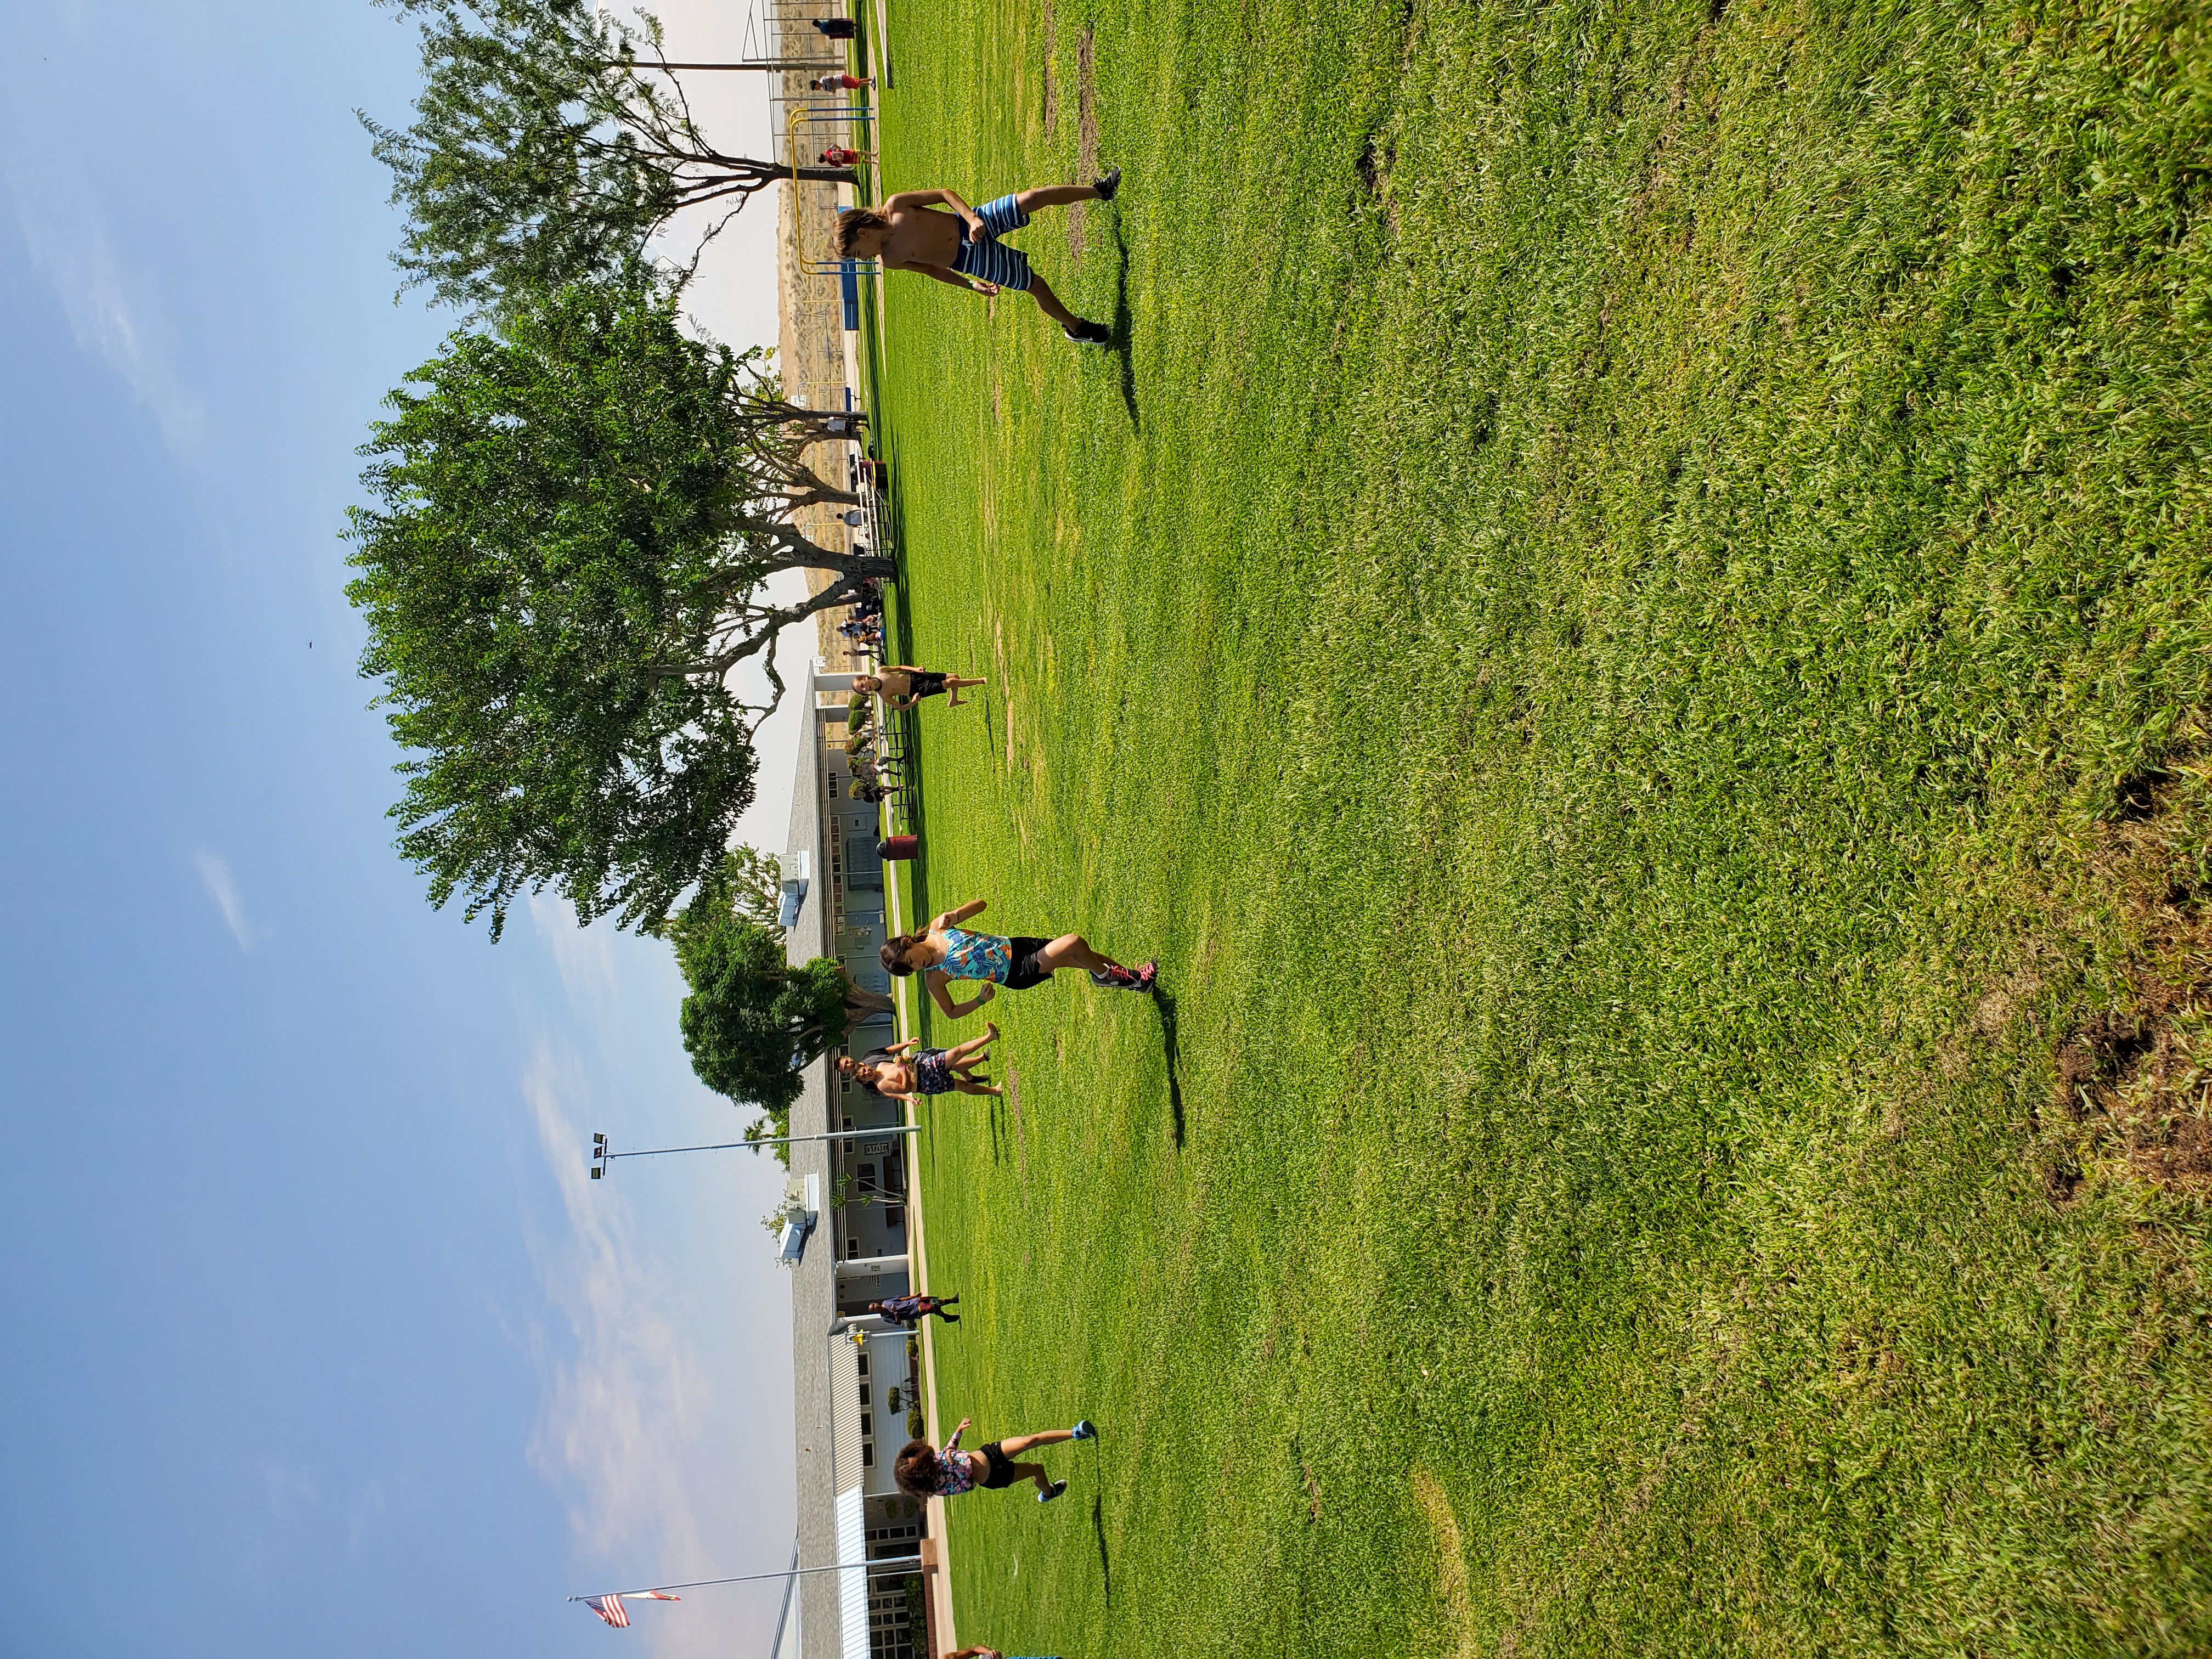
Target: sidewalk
(937,1567)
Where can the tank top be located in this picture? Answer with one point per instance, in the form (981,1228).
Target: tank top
(976,955)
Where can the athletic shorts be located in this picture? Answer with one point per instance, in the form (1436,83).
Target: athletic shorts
(1001,1471)
(921,685)
(987,261)
(1022,969)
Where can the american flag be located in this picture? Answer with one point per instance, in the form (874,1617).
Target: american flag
(611,1608)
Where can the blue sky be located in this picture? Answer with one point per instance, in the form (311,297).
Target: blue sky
(319,1340)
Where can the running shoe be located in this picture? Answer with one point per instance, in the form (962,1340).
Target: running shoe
(1090,333)
(1051,1492)
(1108,185)
(1083,1430)
(1146,977)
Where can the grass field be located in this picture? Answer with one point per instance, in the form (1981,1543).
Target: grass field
(1626,619)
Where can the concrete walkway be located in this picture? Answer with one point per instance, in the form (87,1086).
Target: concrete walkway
(937,1564)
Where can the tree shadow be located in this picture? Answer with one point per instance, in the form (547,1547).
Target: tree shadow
(1105,1560)
(1122,326)
(1163,1004)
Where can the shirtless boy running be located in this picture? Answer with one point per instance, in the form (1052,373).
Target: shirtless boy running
(963,247)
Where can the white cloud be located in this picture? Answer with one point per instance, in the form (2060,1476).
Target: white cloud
(627,1399)
(112,315)
(215,875)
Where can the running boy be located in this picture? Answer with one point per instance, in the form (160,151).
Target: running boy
(963,247)
(906,1070)
(902,685)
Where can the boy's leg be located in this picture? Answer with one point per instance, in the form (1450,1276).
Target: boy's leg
(1048,302)
(1045,195)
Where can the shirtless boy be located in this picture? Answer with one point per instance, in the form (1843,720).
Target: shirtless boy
(902,685)
(963,247)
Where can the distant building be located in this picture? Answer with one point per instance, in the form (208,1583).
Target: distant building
(852,1398)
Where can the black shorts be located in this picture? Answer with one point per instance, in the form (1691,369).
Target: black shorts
(1001,1471)
(921,685)
(1022,970)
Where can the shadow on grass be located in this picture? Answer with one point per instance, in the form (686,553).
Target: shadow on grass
(1122,327)
(1098,1532)
(1164,1006)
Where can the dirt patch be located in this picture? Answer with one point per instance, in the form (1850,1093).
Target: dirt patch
(1451,1555)
(2131,1092)
(1086,134)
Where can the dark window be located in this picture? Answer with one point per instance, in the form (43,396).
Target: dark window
(894,1216)
(867,1425)
(863,1395)
(867,1454)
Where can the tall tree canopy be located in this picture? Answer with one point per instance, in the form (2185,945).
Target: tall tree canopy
(572,519)
(752,1020)
(545,149)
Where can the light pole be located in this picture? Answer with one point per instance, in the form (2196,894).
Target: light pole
(602,1155)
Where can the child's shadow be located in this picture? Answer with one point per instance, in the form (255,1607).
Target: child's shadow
(1105,1561)
(1164,1005)
(1122,326)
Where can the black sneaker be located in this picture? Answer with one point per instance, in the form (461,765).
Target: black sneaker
(1107,186)
(1051,1492)
(1090,333)
(1147,976)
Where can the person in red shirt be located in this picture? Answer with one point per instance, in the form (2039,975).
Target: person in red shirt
(838,156)
(844,82)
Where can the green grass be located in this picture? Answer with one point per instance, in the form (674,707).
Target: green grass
(1598,623)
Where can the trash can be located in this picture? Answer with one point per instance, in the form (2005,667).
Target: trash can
(898,847)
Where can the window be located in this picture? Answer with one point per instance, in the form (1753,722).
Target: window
(867,1448)
(833,785)
(894,1215)
(863,1400)
(863,1368)
(867,1426)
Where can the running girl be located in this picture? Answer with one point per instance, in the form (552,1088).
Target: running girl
(902,685)
(841,82)
(925,1472)
(944,951)
(838,155)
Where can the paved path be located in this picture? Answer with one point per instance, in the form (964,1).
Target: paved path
(940,1576)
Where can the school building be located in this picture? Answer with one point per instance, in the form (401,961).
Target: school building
(852,1398)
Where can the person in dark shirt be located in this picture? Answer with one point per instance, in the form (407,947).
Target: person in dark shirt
(911,1310)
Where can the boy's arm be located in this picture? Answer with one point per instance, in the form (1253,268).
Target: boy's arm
(912,198)
(941,273)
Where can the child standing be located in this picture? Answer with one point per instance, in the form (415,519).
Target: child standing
(963,247)
(944,951)
(841,82)
(925,1472)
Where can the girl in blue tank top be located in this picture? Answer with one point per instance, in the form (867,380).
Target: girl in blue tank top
(944,951)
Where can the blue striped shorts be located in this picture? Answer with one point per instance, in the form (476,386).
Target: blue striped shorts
(986,261)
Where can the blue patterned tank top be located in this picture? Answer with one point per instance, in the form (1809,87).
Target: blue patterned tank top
(976,955)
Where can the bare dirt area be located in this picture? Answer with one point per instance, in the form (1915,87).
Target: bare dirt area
(2135,1081)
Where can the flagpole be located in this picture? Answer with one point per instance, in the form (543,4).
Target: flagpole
(601,1154)
(754,1578)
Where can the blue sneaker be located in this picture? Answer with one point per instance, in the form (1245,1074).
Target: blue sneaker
(1051,1492)
(1083,1430)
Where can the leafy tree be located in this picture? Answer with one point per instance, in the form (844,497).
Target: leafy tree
(545,150)
(747,884)
(752,1020)
(572,518)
